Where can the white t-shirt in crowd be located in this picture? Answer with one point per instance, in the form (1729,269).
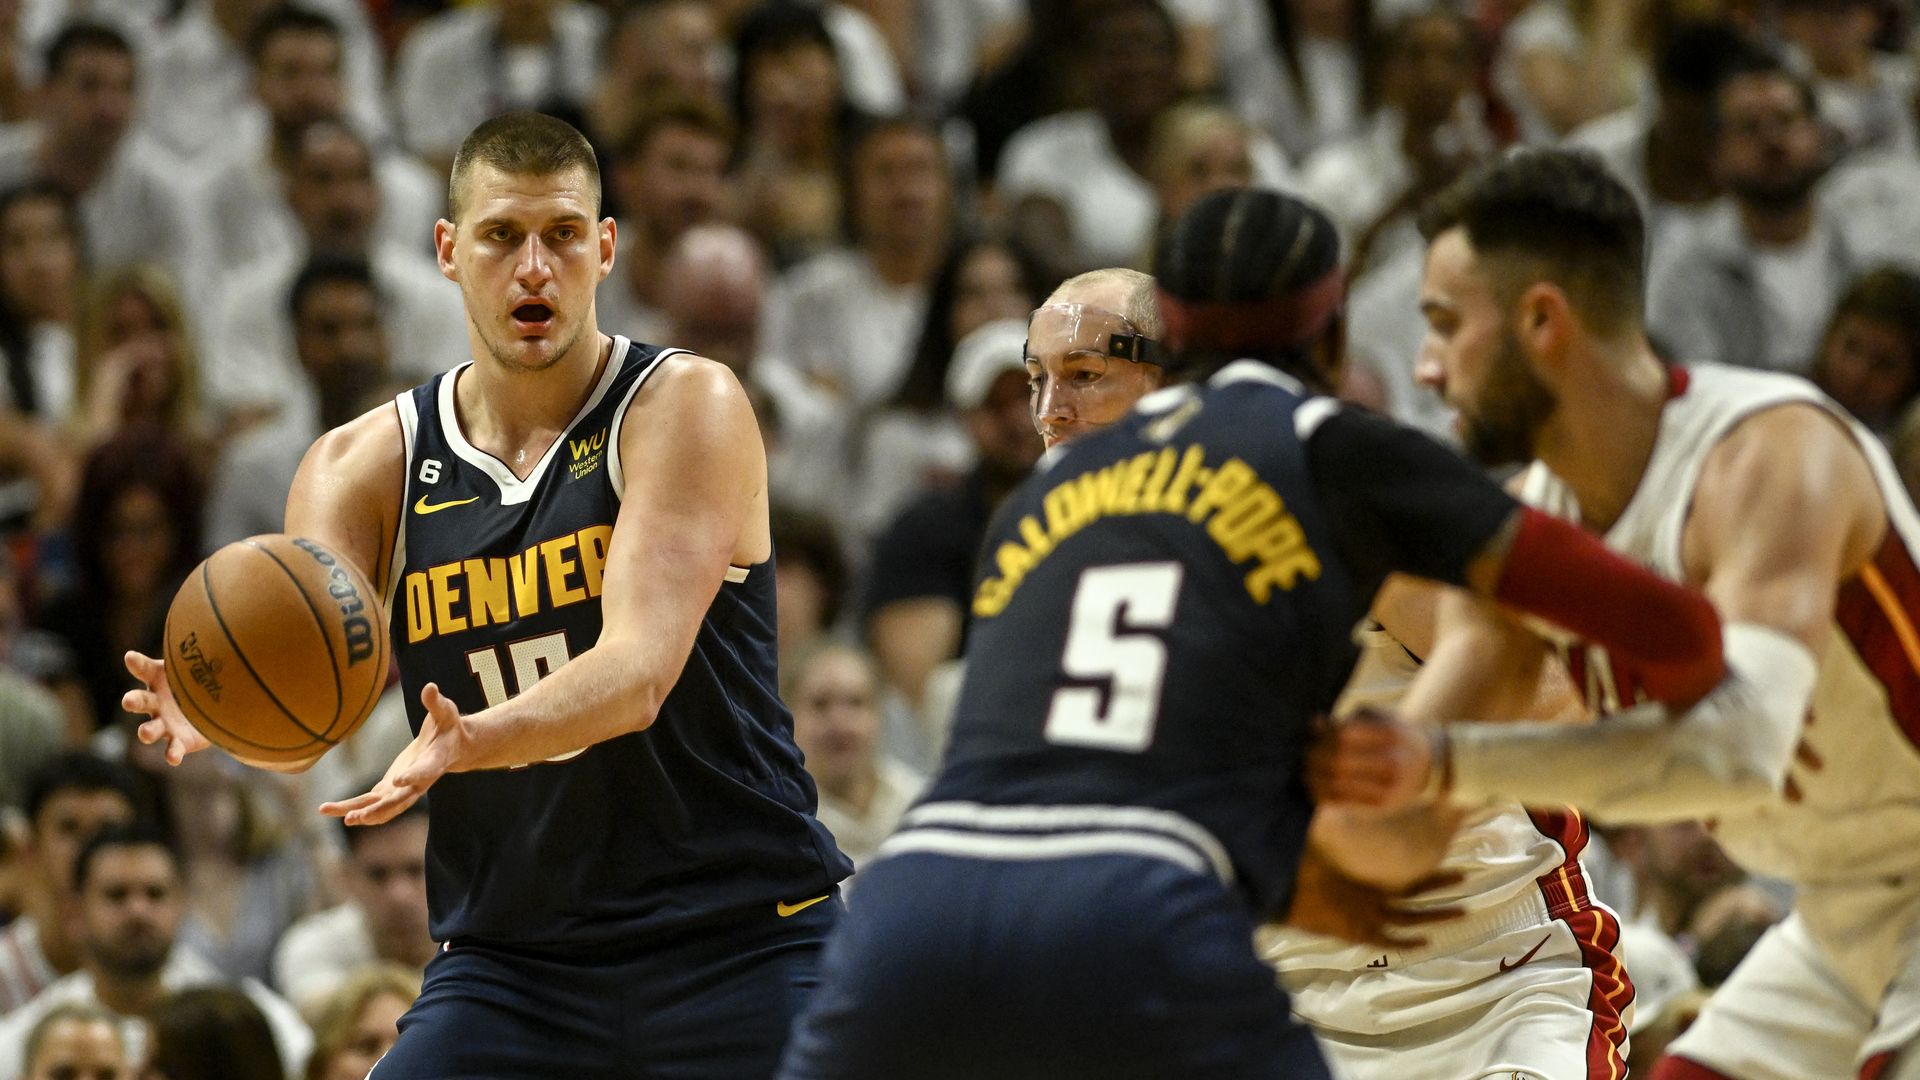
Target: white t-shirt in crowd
(1797,293)
(452,74)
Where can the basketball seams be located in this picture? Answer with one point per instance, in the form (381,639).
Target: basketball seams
(185,700)
(213,605)
(339,691)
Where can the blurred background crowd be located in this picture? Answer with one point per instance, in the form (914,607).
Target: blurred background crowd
(215,242)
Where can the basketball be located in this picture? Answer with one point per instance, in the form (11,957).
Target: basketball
(275,649)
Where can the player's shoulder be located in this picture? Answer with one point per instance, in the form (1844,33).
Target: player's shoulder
(687,378)
(370,444)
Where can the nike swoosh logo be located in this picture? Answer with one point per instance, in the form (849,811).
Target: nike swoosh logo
(1504,966)
(786,910)
(425,507)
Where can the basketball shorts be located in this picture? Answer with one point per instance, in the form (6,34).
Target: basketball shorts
(1787,1014)
(713,1003)
(1107,965)
(1537,999)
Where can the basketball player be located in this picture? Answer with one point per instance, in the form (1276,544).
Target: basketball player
(1518,982)
(1762,493)
(1162,612)
(571,530)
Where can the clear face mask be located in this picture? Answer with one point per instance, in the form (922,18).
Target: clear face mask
(1075,356)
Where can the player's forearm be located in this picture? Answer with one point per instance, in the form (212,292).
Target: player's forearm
(1391,851)
(610,690)
(1729,752)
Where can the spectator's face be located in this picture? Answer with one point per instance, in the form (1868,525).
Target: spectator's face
(140,542)
(800,604)
(298,79)
(79,1050)
(39,259)
(1002,427)
(1771,150)
(332,191)
(1132,61)
(1867,366)
(1429,69)
(1218,160)
(1473,359)
(130,911)
(715,312)
(1684,856)
(989,288)
(673,49)
(836,718)
(374,1032)
(338,330)
(134,323)
(677,181)
(1837,35)
(902,191)
(527,254)
(793,90)
(389,882)
(1075,386)
(90,102)
(67,820)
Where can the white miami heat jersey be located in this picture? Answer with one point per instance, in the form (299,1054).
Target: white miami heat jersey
(1857,814)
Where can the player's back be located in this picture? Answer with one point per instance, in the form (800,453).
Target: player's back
(706,813)
(1162,614)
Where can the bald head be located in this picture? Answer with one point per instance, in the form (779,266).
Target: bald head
(716,278)
(1128,293)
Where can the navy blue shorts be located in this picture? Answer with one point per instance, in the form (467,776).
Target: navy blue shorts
(709,1004)
(1108,966)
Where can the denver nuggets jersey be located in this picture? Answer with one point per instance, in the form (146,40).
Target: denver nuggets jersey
(1162,614)
(496,584)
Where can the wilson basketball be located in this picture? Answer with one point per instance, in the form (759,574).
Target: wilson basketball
(275,648)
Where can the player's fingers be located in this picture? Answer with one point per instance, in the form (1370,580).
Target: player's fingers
(343,807)
(386,809)
(150,732)
(437,703)
(141,701)
(144,667)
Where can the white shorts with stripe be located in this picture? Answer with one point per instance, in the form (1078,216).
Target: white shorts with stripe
(1786,1014)
(1543,998)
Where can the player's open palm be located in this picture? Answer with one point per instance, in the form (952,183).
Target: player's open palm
(164,718)
(1372,760)
(442,743)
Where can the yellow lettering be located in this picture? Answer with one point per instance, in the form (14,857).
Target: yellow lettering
(1284,572)
(992,598)
(1014,560)
(1163,464)
(1237,523)
(445,594)
(1132,479)
(1174,500)
(1062,507)
(487,591)
(1226,482)
(594,542)
(526,582)
(559,566)
(1036,537)
(419,609)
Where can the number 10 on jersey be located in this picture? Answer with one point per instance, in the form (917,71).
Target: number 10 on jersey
(1110,637)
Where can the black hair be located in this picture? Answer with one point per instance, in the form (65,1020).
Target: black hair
(140,834)
(809,539)
(1695,54)
(287,19)
(1563,211)
(78,771)
(322,270)
(924,386)
(79,36)
(212,1033)
(775,27)
(1759,61)
(1242,246)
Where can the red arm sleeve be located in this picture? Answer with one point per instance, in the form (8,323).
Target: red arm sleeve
(1668,632)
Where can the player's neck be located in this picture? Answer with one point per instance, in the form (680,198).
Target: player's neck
(1600,444)
(515,415)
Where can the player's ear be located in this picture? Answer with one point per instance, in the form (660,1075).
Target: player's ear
(1544,320)
(608,238)
(443,248)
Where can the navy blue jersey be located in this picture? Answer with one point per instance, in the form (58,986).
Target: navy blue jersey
(1167,606)
(497,583)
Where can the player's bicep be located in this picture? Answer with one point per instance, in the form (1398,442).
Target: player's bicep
(1483,664)
(348,490)
(1785,509)
(693,473)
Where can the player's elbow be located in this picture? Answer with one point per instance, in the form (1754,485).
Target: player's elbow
(637,684)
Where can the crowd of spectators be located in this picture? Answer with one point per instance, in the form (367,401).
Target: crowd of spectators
(215,243)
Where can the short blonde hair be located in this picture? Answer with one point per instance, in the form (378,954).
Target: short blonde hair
(338,1012)
(1140,309)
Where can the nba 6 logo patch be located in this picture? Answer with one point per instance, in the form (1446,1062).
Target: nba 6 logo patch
(586,453)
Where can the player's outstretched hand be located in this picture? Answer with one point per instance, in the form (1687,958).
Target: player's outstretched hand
(440,746)
(1328,902)
(164,718)
(1373,760)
